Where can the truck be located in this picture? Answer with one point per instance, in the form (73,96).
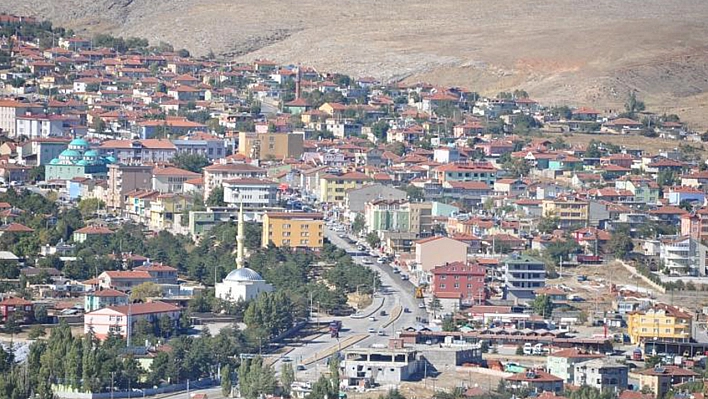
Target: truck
(334,328)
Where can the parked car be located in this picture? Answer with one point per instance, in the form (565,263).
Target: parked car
(371,330)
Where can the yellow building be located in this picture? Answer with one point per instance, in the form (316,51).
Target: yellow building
(571,211)
(662,322)
(163,210)
(333,188)
(265,146)
(293,230)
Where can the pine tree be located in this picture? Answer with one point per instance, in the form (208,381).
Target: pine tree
(287,377)
(226,380)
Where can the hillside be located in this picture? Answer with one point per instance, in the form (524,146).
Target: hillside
(560,51)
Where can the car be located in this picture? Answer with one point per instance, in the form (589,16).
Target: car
(381,261)
(396,270)
(300,367)
(286,359)
(421,305)
(341,235)
(404,277)
(382,313)
(371,330)
(382,333)
(406,310)
(372,318)
(366,261)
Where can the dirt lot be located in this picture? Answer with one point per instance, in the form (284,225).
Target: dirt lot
(650,145)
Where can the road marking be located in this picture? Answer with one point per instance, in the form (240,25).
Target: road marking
(345,343)
(395,315)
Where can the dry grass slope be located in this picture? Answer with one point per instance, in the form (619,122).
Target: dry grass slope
(561,51)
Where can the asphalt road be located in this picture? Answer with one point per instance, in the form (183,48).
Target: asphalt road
(393,291)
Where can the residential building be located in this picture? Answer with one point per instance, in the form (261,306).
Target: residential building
(123,179)
(39,126)
(680,195)
(535,381)
(603,374)
(94,300)
(201,143)
(522,276)
(683,255)
(662,379)
(138,151)
(571,211)
(265,146)
(379,365)
(121,320)
(163,209)
(333,188)
(421,218)
(84,233)
(456,172)
(355,199)
(643,189)
(293,230)
(435,251)
(387,215)
(10,110)
(123,280)
(252,193)
(12,305)
(460,278)
(562,363)
(215,175)
(168,179)
(241,285)
(77,161)
(200,222)
(160,274)
(40,152)
(663,322)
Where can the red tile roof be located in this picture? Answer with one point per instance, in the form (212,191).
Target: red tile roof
(14,301)
(108,293)
(94,230)
(15,228)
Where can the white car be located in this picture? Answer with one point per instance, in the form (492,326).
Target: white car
(372,318)
(371,330)
(381,261)
(421,305)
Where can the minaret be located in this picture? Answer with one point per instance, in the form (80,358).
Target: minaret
(239,238)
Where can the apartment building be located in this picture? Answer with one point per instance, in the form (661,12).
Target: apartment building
(663,322)
(387,215)
(10,110)
(333,188)
(571,211)
(293,230)
(123,179)
(215,175)
(270,145)
(522,276)
(253,193)
(603,374)
(168,179)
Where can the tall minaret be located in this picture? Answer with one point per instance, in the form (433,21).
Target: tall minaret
(239,238)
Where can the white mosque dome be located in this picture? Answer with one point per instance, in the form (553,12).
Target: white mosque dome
(243,274)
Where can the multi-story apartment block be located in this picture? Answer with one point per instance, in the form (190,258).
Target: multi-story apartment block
(522,276)
(10,110)
(663,322)
(333,188)
(215,175)
(387,215)
(457,172)
(571,211)
(123,179)
(293,230)
(168,179)
(253,193)
(138,151)
(605,375)
(270,145)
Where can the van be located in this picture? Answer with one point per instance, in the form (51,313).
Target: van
(528,349)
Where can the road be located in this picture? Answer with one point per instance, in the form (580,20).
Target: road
(393,292)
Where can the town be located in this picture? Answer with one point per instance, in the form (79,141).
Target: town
(208,229)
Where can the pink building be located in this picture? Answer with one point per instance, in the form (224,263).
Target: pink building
(116,319)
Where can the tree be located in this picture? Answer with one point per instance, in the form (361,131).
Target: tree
(89,207)
(373,239)
(36,331)
(216,197)
(517,167)
(435,306)
(380,129)
(548,224)
(146,290)
(226,381)
(633,105)
(37,174)
(98,125)
(519,350)
(398,148)
(287,377)
(542,305)
(449,324)
(359,224)
(334,372)
(621,244)
(256,378)
(191,162)
(414,193)
(666,177)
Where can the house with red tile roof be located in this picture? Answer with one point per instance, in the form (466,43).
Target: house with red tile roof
(123,280)
(12,305)
(94,300)
(87,232)
(535,380)
(15,228)
(464,279)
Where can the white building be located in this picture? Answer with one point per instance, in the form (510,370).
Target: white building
(10,110)
(602,374)
(116,319)
(36,126)
(214,175)
(242,284)
(683,256)
(255,193)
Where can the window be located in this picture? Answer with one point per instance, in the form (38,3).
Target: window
(442,285)
(443,276)
(457,285)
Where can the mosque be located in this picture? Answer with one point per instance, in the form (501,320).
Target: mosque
(78,161)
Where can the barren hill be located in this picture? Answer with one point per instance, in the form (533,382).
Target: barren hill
(575,52)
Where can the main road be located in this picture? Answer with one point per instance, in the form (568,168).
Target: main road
(394,294)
